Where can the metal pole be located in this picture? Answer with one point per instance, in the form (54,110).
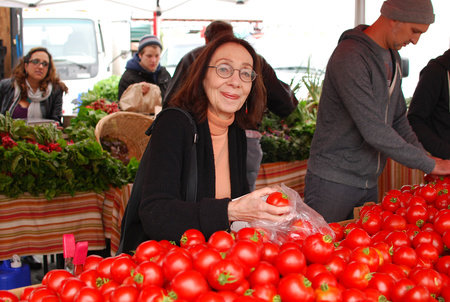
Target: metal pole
(360,12)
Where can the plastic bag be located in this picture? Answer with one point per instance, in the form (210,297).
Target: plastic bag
(301,222)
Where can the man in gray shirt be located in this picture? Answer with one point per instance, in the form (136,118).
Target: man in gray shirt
(362,113)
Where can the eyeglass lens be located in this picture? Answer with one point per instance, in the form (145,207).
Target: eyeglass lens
(37,62)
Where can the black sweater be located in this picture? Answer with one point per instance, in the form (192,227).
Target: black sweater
(429,112)
(160,183)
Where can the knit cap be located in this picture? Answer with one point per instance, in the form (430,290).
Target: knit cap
(149,40)
(413,11)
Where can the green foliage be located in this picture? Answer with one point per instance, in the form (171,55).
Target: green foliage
(37,160)
(289,139)
(105,89)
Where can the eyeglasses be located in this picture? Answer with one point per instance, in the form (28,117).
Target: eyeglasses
(225,71)
(37,62)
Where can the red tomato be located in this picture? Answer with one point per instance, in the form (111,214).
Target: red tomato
(189,284)
(355,275)
(314,269)
(191,237)
(383,283)
(417,294)
(210,296)
(294,288)
(251,234)
(400,288)
(54,278)
(248,253)
(427,252)
(355,238)
(265,292)
(390,202)
(6,296)
(442,222)
(104,267)
(270,252)
(148,273)
(204,259)
(367,255)
(278,199)
(121,268)
(243,288)
(225,275)
(92,262)
(405,255)
(336,265)
(318,248)
(353,295)
(176,261)
(41,293)
(228,296)
(338,231)
(394,222)
(88,294)
(264,273)
(416,215)
(149,250)
(152,293)
(428,192)
(384,251)
(90,278)
(70,288)
(290,261)
(428,278)
(322,279)
(397,238)
(371,222)
(124,293)
(397,272)
(327,293)
(221,241)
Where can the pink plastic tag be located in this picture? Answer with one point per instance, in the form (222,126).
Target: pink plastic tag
(81,250)
(68,245)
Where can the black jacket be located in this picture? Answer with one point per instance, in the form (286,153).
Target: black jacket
(429,112)
(51,107)
(280,98)
(134,73)
(161,182)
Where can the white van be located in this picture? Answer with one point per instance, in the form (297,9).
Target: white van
(85,49)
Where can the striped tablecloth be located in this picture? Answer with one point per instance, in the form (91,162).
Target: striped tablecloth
(292,174)
(31,225)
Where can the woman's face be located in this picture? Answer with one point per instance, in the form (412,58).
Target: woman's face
(226,96)
(37,66)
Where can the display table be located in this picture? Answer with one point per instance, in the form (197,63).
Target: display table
(31,225)
(292,174)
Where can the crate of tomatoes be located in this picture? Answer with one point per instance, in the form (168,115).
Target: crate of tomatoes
(396,250)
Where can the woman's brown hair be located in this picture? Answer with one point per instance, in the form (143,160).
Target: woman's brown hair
(192,97)
(20,75)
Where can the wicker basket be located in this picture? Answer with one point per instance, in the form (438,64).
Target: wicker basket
(129,127)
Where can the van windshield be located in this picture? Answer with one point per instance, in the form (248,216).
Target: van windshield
(71,42)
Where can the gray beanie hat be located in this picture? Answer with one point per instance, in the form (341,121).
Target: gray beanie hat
(413,11)
(149,40)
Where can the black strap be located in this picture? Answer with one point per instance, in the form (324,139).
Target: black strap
(191,190)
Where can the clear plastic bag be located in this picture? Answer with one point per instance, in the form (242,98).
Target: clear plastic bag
(301,222)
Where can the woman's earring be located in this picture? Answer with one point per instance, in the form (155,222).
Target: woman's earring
(246,108)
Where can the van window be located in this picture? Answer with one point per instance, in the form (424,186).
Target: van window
(72,43)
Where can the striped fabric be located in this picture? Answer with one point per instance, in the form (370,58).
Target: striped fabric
(292,174)
(31,226)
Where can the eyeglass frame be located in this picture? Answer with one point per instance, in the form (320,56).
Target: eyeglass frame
(234,69)
(37,62)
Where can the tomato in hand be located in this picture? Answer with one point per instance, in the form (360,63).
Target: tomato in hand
(278,199)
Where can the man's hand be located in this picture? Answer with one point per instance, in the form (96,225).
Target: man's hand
(145,88)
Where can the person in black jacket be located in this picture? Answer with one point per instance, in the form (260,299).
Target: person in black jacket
(429,111)
(144,67)
(280,98)
(34,91)
(224,94)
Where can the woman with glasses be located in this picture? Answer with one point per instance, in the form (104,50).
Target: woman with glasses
(34,91)
(224,94)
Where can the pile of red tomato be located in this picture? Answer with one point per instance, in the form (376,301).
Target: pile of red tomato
(395,251)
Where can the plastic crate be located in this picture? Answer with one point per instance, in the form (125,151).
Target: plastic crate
(14,277)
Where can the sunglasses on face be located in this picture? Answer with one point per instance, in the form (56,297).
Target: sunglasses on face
(37,63)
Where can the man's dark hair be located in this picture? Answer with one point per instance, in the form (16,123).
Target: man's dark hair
(217,28)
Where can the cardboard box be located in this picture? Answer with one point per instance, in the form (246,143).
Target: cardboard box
(18,291)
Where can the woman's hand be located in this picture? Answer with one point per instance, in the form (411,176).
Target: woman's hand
(252,207)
